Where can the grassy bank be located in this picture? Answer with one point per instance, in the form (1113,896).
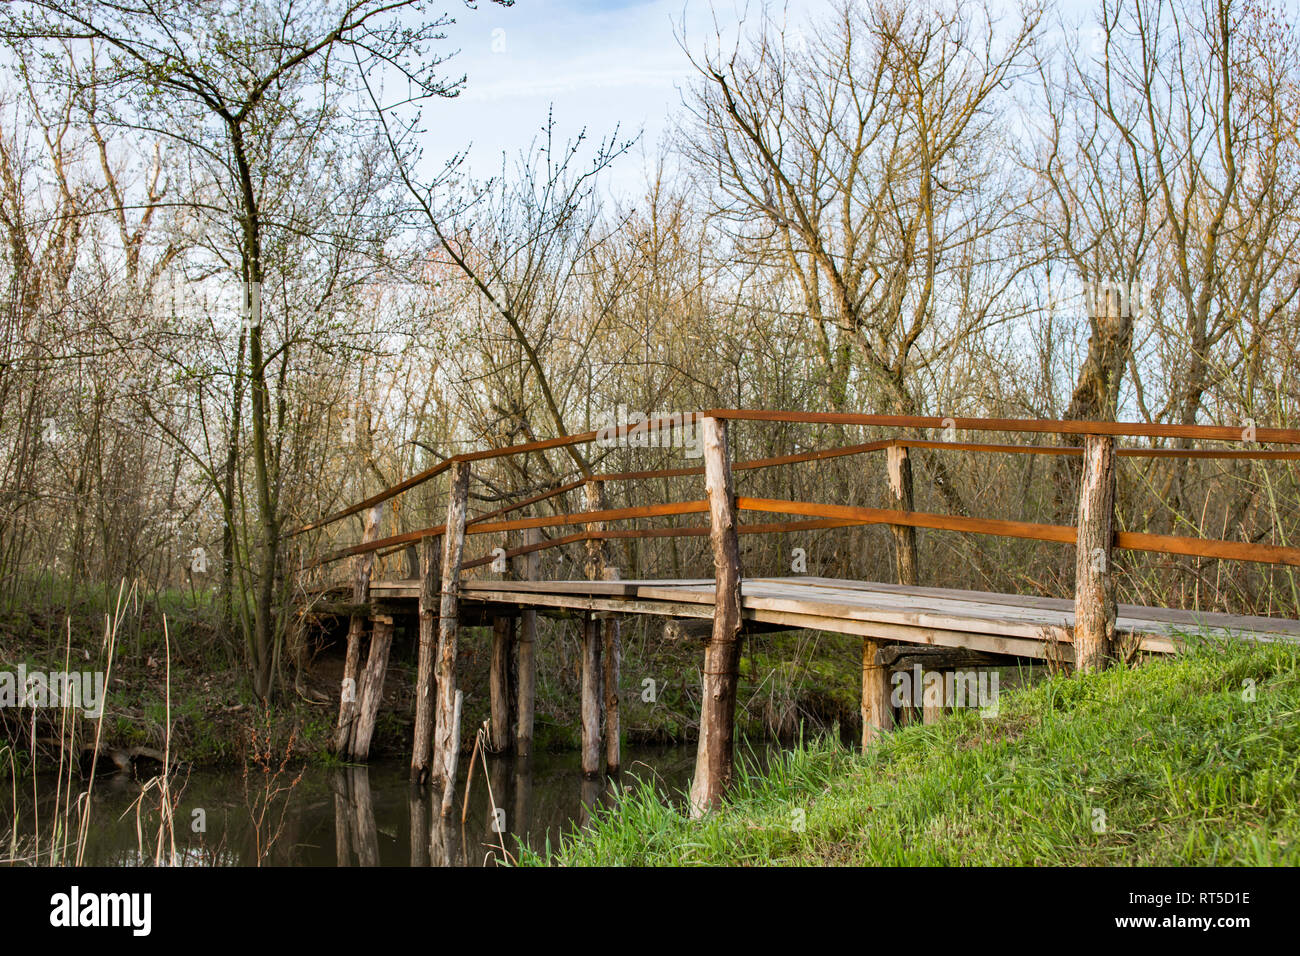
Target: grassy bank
(1186,761)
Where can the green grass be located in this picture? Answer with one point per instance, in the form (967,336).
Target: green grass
(1171,762)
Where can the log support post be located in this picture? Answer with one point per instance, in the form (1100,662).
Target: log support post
(900,499)
(591,696)
(1094,583)
(446,738)
(430,599)
(371,686)
(934,695)
(503,639)
(877,713)
(713,761)
(527,666)
(611,654)
(349,699)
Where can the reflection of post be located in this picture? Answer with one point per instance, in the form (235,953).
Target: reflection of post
(420,809)
(445,844)
(521,825)
(342,819)
(498,821)
(363,816)
(591,791)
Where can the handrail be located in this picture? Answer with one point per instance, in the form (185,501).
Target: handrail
(831,515)
(1288,436)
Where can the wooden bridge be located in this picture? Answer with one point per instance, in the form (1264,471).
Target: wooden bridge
(899,624)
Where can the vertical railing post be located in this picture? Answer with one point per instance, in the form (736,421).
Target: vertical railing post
(349,700)
(713,761)
(900,499)
(430,586)
(446,737)
(1094,583)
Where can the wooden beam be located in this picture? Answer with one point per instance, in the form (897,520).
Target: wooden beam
(446,738)
(713,761)
(1094,583)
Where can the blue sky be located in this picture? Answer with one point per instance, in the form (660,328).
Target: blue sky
(601,63)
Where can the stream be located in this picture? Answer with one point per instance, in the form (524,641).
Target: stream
(327,816)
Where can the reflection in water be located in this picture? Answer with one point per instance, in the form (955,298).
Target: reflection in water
(358,816)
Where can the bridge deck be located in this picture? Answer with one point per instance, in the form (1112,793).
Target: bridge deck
(1011,624)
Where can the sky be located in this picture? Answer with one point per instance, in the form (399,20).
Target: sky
(602,64)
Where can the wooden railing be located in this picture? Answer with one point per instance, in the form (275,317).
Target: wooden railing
(841,515)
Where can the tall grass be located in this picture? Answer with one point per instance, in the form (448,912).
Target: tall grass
(1187,761)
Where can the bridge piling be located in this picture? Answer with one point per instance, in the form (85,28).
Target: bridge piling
(371,689)
(430,583)
(591,695)
(503,638)
(446,742)
(713,760)
(348,698)
(526,678)
(877,714)
(611,654)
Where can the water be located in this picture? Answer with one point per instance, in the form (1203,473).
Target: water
(348,816)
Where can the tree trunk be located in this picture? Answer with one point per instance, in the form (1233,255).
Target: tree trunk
(900,499)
